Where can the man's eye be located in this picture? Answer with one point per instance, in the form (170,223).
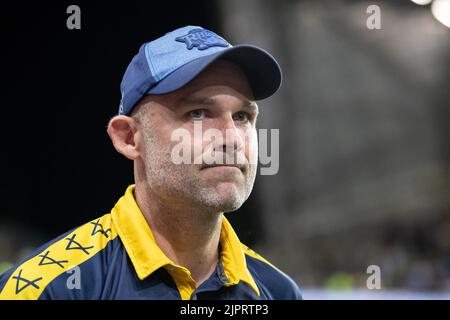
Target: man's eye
(197,114)
(241,116)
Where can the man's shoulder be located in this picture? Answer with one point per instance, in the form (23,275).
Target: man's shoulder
(276,284)
(41,270)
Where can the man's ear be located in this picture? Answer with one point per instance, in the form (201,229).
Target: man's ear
(124,135)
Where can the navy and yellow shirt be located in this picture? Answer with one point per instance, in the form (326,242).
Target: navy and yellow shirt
(117,257)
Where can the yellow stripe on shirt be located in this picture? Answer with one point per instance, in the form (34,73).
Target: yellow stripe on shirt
(30,279)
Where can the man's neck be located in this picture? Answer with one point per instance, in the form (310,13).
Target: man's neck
(188,235)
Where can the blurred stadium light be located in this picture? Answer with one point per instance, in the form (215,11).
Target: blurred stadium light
(441,11)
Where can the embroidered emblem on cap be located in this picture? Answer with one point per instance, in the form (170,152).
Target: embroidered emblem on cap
(202,39)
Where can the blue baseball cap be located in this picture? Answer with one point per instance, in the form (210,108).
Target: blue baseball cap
(168,63)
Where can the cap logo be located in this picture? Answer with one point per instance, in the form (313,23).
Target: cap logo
(202,39)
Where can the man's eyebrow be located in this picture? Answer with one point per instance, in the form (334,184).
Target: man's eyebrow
(193,100)
(190,100)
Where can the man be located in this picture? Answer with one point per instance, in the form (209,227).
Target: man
(167,238)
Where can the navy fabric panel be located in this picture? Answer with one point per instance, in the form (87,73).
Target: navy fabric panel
(273,284)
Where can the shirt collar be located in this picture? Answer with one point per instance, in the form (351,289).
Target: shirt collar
(147,256)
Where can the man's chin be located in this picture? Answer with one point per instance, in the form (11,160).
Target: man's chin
(226,197)
(228,207)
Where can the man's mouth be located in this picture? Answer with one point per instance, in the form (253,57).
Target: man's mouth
(238,166)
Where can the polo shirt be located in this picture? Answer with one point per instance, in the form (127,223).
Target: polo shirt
(116,257)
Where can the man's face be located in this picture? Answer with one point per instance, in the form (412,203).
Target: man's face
(219,98)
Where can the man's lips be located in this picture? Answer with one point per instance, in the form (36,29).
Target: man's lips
(238,166)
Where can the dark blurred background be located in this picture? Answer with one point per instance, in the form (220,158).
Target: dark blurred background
(364,119)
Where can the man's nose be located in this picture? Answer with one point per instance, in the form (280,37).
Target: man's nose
(232,136)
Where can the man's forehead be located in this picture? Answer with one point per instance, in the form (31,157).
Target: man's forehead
(221,77)
(202,99)
(211,101)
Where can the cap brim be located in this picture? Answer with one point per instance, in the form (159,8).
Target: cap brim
(261,69)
